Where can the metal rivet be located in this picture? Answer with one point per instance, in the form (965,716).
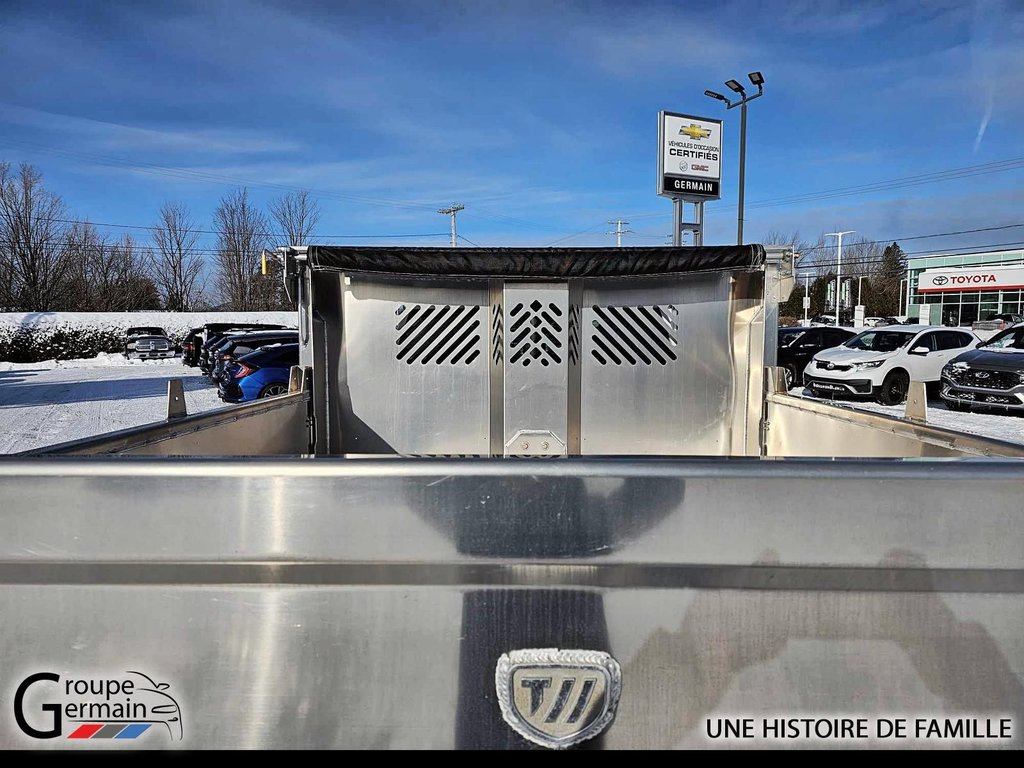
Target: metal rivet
(545,445)
(525,446)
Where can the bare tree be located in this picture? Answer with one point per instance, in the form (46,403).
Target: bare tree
(175,264)
(861,257)
(117,278)
(87,251)
(296,215)
(242,234)
(36,262)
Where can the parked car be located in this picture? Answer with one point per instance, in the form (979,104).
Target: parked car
(998,322)
(151,347)
(988,376)
(798,345)
(844,319)
(236,346)
(137,332)
(263,373)
(881,362)
(214,333)
(190,347)
(879,322)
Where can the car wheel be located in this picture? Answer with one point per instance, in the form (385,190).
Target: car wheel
(791,377)
(894,388)
(273,390)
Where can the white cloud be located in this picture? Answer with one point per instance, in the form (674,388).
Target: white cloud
(98,135)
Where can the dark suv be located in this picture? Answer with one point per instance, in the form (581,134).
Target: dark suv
(214,333)
(989,376)
(798,345)
(235,346)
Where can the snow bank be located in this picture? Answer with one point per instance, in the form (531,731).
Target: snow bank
(177,324)
(31,337)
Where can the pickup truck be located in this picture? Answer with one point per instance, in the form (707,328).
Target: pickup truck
(519,498)
(152,336)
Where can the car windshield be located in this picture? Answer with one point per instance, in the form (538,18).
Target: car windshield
(1012,338)
(788,338)
(880,341)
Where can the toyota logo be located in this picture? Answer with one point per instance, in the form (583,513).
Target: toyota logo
(940,280)
(830,366)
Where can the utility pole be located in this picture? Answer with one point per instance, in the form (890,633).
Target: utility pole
(839,264)
(451,211)
(807,296)
(619,231)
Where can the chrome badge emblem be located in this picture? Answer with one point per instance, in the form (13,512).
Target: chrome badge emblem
(557,698)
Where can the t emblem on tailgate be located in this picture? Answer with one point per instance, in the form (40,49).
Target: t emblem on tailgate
(557,698)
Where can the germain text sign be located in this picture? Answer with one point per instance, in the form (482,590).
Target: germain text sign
(689,156)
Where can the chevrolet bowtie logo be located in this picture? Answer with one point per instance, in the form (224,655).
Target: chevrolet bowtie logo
(694,131)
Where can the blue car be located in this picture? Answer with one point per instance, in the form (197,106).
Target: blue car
(263,373)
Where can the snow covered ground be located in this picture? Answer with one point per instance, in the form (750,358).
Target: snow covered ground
(58,400)
(997,425)
(54,401)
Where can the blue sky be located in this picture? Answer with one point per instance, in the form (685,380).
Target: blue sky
(539,117)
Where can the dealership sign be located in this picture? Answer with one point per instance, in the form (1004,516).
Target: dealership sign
(689,157)
(970,279)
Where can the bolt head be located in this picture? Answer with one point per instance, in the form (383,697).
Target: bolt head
(525,446)
(545,445)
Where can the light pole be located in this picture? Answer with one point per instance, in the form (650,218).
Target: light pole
(756,78)
(839,264)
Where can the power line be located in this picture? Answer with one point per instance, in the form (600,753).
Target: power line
(470,241)
(917,237)
(853,261)
(151,227)
(997,166)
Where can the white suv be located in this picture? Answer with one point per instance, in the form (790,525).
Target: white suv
(881,362)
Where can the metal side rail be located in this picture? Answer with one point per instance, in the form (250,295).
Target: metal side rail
(797,426)
(272,426)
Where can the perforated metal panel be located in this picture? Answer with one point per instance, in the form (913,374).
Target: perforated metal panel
(431,333)
(412,373)
(658,367)
(536,394)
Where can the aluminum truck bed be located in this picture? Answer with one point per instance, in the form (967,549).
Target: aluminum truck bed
(626,552)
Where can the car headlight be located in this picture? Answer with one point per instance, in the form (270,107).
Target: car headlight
(867,366)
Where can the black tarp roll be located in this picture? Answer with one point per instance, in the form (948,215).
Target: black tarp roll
(534,263)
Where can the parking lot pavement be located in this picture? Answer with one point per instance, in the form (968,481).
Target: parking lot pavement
(54,402)
(1001,426)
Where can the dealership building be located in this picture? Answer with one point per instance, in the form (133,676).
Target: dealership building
(958,290)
